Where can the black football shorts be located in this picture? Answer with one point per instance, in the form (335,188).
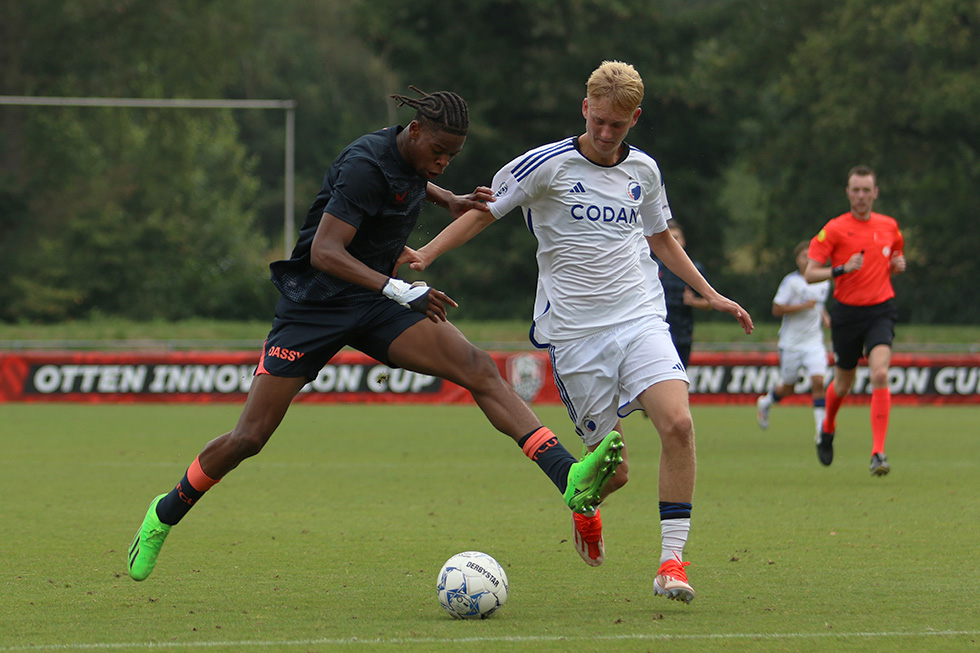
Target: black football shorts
(855,330)
(304,337)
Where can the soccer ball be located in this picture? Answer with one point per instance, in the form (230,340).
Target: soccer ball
(471,585)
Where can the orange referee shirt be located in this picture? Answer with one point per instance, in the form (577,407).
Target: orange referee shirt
(879,239)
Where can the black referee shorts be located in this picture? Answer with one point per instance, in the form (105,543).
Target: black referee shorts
(304,337)
(855,330)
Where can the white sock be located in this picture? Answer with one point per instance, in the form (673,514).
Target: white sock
(819,412)
(673,535)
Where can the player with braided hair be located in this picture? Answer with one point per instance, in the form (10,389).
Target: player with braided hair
(337,289)
(443,109)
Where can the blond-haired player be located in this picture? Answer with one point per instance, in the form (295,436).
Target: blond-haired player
(597,207)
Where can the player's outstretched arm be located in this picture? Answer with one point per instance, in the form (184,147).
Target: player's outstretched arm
(329,254)
(457,205)
(676,259)
(455,234)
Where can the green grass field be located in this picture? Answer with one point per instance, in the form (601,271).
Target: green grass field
(332,537)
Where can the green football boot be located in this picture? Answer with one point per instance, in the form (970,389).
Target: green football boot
(146,545)
(588,477)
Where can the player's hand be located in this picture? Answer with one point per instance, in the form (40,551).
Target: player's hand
(898,263)
(414,259)
(855,262)
(419,297)
(438,304)
(721,303)
(460,204)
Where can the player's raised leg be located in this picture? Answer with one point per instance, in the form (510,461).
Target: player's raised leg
(440,349)
(268,400)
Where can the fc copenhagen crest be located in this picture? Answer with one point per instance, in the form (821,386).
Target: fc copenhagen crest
(633,190)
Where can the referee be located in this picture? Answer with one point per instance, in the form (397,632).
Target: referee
(864,250)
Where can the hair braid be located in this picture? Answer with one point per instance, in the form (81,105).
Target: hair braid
(443,110)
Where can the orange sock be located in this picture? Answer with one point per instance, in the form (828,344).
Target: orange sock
(833,405)
(881,406)
(543,447)
(172,508)
(198,479)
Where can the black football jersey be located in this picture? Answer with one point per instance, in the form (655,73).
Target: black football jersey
(370,186)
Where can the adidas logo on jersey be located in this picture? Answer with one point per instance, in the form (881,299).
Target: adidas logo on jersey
(577,188)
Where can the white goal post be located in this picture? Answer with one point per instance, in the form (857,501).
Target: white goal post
(289,106)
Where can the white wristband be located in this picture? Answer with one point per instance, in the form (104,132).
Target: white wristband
(413,296)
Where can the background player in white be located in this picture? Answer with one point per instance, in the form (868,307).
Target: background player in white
(597,207)
(801,343)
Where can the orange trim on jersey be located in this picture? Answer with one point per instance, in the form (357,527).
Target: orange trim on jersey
(535,442)
(198,479)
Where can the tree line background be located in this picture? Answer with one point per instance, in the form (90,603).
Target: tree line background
(755,110)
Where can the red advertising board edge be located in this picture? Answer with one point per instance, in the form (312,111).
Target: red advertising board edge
(351,377)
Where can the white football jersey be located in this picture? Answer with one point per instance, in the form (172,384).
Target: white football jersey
(594,265)
(802,327)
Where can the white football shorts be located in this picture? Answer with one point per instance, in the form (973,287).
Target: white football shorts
(811,360)
(600,376)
